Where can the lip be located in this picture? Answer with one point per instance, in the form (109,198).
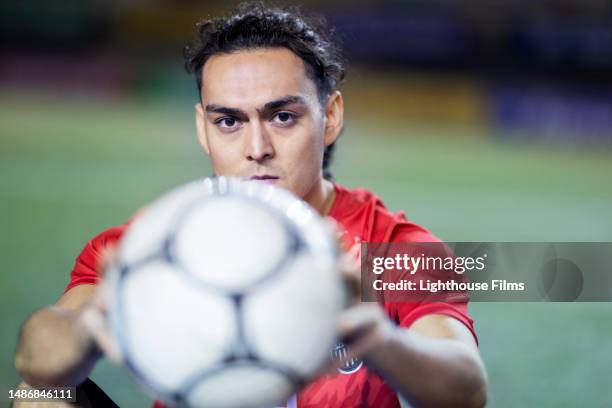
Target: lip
(266,178)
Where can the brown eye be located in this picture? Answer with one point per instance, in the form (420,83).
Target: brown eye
(284,118)
(227,122)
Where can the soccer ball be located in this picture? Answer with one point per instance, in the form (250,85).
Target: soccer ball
(224,293)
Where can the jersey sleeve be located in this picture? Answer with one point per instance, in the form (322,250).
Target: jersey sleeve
(406,313)
(85,270)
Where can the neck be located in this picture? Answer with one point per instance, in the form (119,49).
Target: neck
(321,197)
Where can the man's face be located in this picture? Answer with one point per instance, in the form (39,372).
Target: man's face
(260,117)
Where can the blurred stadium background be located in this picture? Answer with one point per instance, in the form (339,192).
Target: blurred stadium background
(483,121)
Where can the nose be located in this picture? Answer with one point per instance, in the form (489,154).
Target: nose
(259,145)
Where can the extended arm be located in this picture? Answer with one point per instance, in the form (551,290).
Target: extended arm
(56,346)
(435,363)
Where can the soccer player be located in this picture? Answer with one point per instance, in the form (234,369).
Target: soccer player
(269,109)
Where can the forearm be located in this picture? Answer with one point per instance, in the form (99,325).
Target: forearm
(431,371)
(54,349)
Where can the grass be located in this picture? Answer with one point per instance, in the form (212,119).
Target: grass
(72,167)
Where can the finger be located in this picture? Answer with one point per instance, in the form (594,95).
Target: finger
(353,289)
(363,327)
(95,320)
(355,251)
(360,348)
(95,323)
(349,268)
(336,231)
(350,271)
(358,317)
(98,300)
(107,257)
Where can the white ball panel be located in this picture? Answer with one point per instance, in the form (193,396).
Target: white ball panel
(300,307)
(241,386)
(152,225)
(231,242)
(172,330)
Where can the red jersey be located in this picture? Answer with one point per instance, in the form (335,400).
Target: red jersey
(365,219)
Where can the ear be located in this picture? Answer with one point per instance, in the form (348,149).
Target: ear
(200,128)
(334,117)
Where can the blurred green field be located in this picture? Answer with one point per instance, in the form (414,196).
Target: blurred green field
(72,167)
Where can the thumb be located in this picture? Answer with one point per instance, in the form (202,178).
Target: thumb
(95,320)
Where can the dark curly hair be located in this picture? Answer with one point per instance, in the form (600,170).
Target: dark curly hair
(253,25)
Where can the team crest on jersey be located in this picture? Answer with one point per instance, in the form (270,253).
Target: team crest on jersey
(348,366)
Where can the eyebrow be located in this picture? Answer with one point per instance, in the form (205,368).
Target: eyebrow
(269,106)
(212,108)
(279,103)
